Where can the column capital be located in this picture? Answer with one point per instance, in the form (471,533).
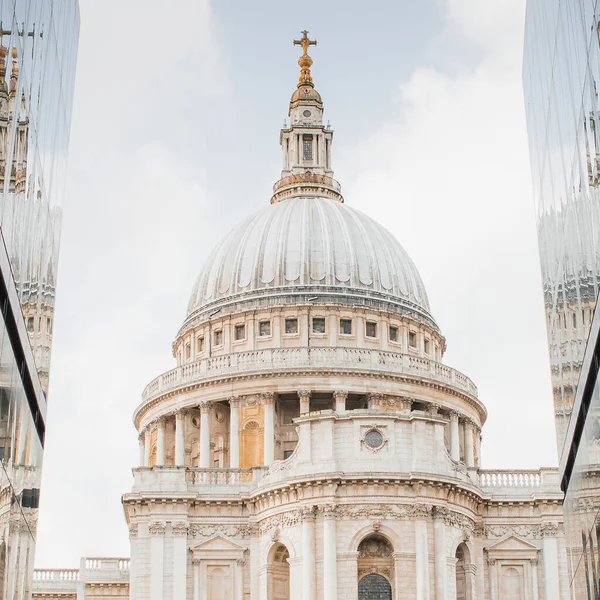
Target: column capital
(133,530)
(549,529)
(234,401)
(469,423)
(160,421)
(180,528)
(180,413)
(304,394)
(157,528)
(434,408)
(338,394)
(240,562)
(267,397)
(308,514)
(142,437)
(454,414)
(204,407)
(375,398)
(330,511)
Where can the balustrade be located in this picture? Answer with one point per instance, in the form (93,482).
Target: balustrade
(512,479)
(56,574)
(282,358)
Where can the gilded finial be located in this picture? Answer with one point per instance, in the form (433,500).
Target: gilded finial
(305,61)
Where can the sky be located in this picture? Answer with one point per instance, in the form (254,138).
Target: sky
(175,139)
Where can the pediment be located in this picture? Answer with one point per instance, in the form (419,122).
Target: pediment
(512,542)
(512,546)
(218,542)
(218,547)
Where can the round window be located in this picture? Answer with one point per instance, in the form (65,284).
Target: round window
(306,113)
(374,439)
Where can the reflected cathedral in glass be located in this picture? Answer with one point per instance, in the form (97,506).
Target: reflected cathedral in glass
(38,46)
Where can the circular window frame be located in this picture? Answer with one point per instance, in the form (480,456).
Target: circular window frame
(306,114)
(370,447)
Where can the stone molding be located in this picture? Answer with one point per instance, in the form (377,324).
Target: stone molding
(234,401)
(180,413)
(133,530)
(549,529)
(308,514)
(330,511)
(287,519)
(537,531)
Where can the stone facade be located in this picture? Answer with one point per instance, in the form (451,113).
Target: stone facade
(310,444)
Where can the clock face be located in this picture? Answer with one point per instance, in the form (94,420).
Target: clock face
(306,113)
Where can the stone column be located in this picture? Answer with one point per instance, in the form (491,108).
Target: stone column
(196,579)
(234,432)
(133,563)
(180,437)
(329,554)
(469,444)
(147,448)
(179,560)
(441,577)
(375,400)
(268,399)
(422,514)
(157,567)
(142,447)
(534,580)
(493,567)
(470,582)
(239,579)
(204,435)
(550,557)
(454,443)
(304,396)
(308,553)
(160,442)
(340,397)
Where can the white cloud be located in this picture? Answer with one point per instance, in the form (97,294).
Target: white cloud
(449,175)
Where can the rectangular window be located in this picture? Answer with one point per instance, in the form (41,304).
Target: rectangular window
(393,334)
(200,344)
(574,320)
(188,351)
(287,454)
(30,324)
(318,325)
(216,464)
(240,332)
(345,326)
(307,143)
(412,339)
(371,329)
(218,338)
(427,346)
(49,325)
(291,325)
(264,328)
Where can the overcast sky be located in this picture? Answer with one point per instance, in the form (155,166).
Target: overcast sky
(175,139)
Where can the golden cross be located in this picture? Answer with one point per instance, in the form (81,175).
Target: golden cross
(305,42)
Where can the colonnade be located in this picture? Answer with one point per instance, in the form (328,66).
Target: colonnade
(460,428)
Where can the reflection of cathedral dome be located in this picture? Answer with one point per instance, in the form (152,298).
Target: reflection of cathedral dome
(301,244)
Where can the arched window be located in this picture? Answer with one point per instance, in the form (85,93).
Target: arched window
(251,445)
(374,586)
(278,583)
(464,574)
(375,568)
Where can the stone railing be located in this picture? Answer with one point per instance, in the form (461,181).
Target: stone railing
(220,476)
(281,359)
(307,178)
(106,564)
(58,575)
(516,481)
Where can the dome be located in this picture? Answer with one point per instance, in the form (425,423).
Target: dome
(305,93)
(305,246)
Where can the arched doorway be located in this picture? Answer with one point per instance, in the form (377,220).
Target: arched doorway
(375,568)
(252,446)
(465,572)
(374,587)
(278,570)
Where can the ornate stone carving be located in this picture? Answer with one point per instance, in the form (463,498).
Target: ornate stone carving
(308,513)
(180,413)
(157,528)
(133,530)
(204,407)
(268,397)
(392,402)
(232,531)
(180,528)
(330,511)
(304,394)
(375,399)
(549,529)
(240,562)
(288,519)
(524,531)
(454,519)
(251,400)
(421,511)
(375,547)
(434,408)
(234,401)
(338,395)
